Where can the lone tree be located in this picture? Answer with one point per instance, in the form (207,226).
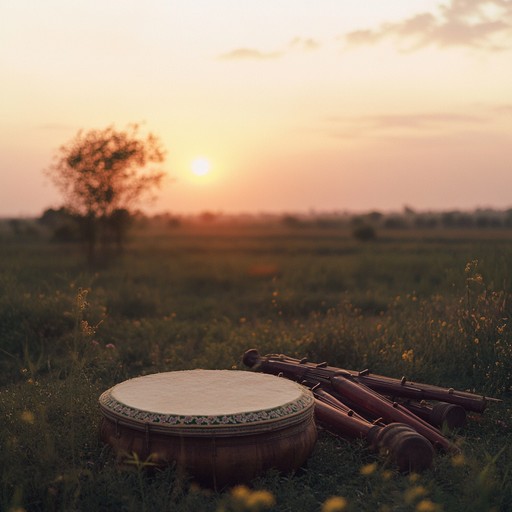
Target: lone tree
(102,174)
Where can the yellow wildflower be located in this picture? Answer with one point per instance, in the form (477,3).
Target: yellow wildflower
(240,492)
(458,460)
(368,469)
(426,506)
(414,477)
(28,417)
(408,356)
(414,492)
(260,499)
(334,504)
(387,474)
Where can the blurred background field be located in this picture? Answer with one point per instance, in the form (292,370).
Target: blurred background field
(431,303)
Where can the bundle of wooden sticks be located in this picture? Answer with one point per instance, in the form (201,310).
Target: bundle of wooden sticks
(397,417)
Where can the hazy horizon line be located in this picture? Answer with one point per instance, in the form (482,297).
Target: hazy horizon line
(311,212)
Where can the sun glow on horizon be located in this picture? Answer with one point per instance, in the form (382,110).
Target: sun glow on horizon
(200,166)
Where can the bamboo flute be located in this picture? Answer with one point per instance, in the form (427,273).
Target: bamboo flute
(347,388)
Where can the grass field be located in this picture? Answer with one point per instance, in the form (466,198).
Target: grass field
(432,305)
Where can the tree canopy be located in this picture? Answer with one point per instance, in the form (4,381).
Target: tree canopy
(102,174)
(100,171)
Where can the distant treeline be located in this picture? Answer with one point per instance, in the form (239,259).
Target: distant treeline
(63,226)
(409,218)
(406,219)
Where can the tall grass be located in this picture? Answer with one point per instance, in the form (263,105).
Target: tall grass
(434,309)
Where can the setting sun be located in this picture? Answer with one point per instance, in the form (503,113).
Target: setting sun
(200,166)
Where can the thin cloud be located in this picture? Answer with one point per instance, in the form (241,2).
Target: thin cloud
(249,54)
(422,121)
(482,24)
(503,109)
(413,124)
(304,44)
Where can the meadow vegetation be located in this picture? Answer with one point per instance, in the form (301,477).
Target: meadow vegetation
(431,304)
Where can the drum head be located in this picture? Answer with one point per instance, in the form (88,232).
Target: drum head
(201,400)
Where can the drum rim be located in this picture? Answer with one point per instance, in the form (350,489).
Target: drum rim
(248,422)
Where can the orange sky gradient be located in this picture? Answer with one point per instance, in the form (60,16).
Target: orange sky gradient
(297,105)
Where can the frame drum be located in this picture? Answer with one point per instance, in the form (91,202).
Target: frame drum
(220,426)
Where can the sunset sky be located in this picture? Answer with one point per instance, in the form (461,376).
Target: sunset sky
(296,105)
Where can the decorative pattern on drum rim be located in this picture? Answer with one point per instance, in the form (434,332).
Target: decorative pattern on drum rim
(302,404)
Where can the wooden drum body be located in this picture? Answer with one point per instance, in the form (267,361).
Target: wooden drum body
(220,426)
